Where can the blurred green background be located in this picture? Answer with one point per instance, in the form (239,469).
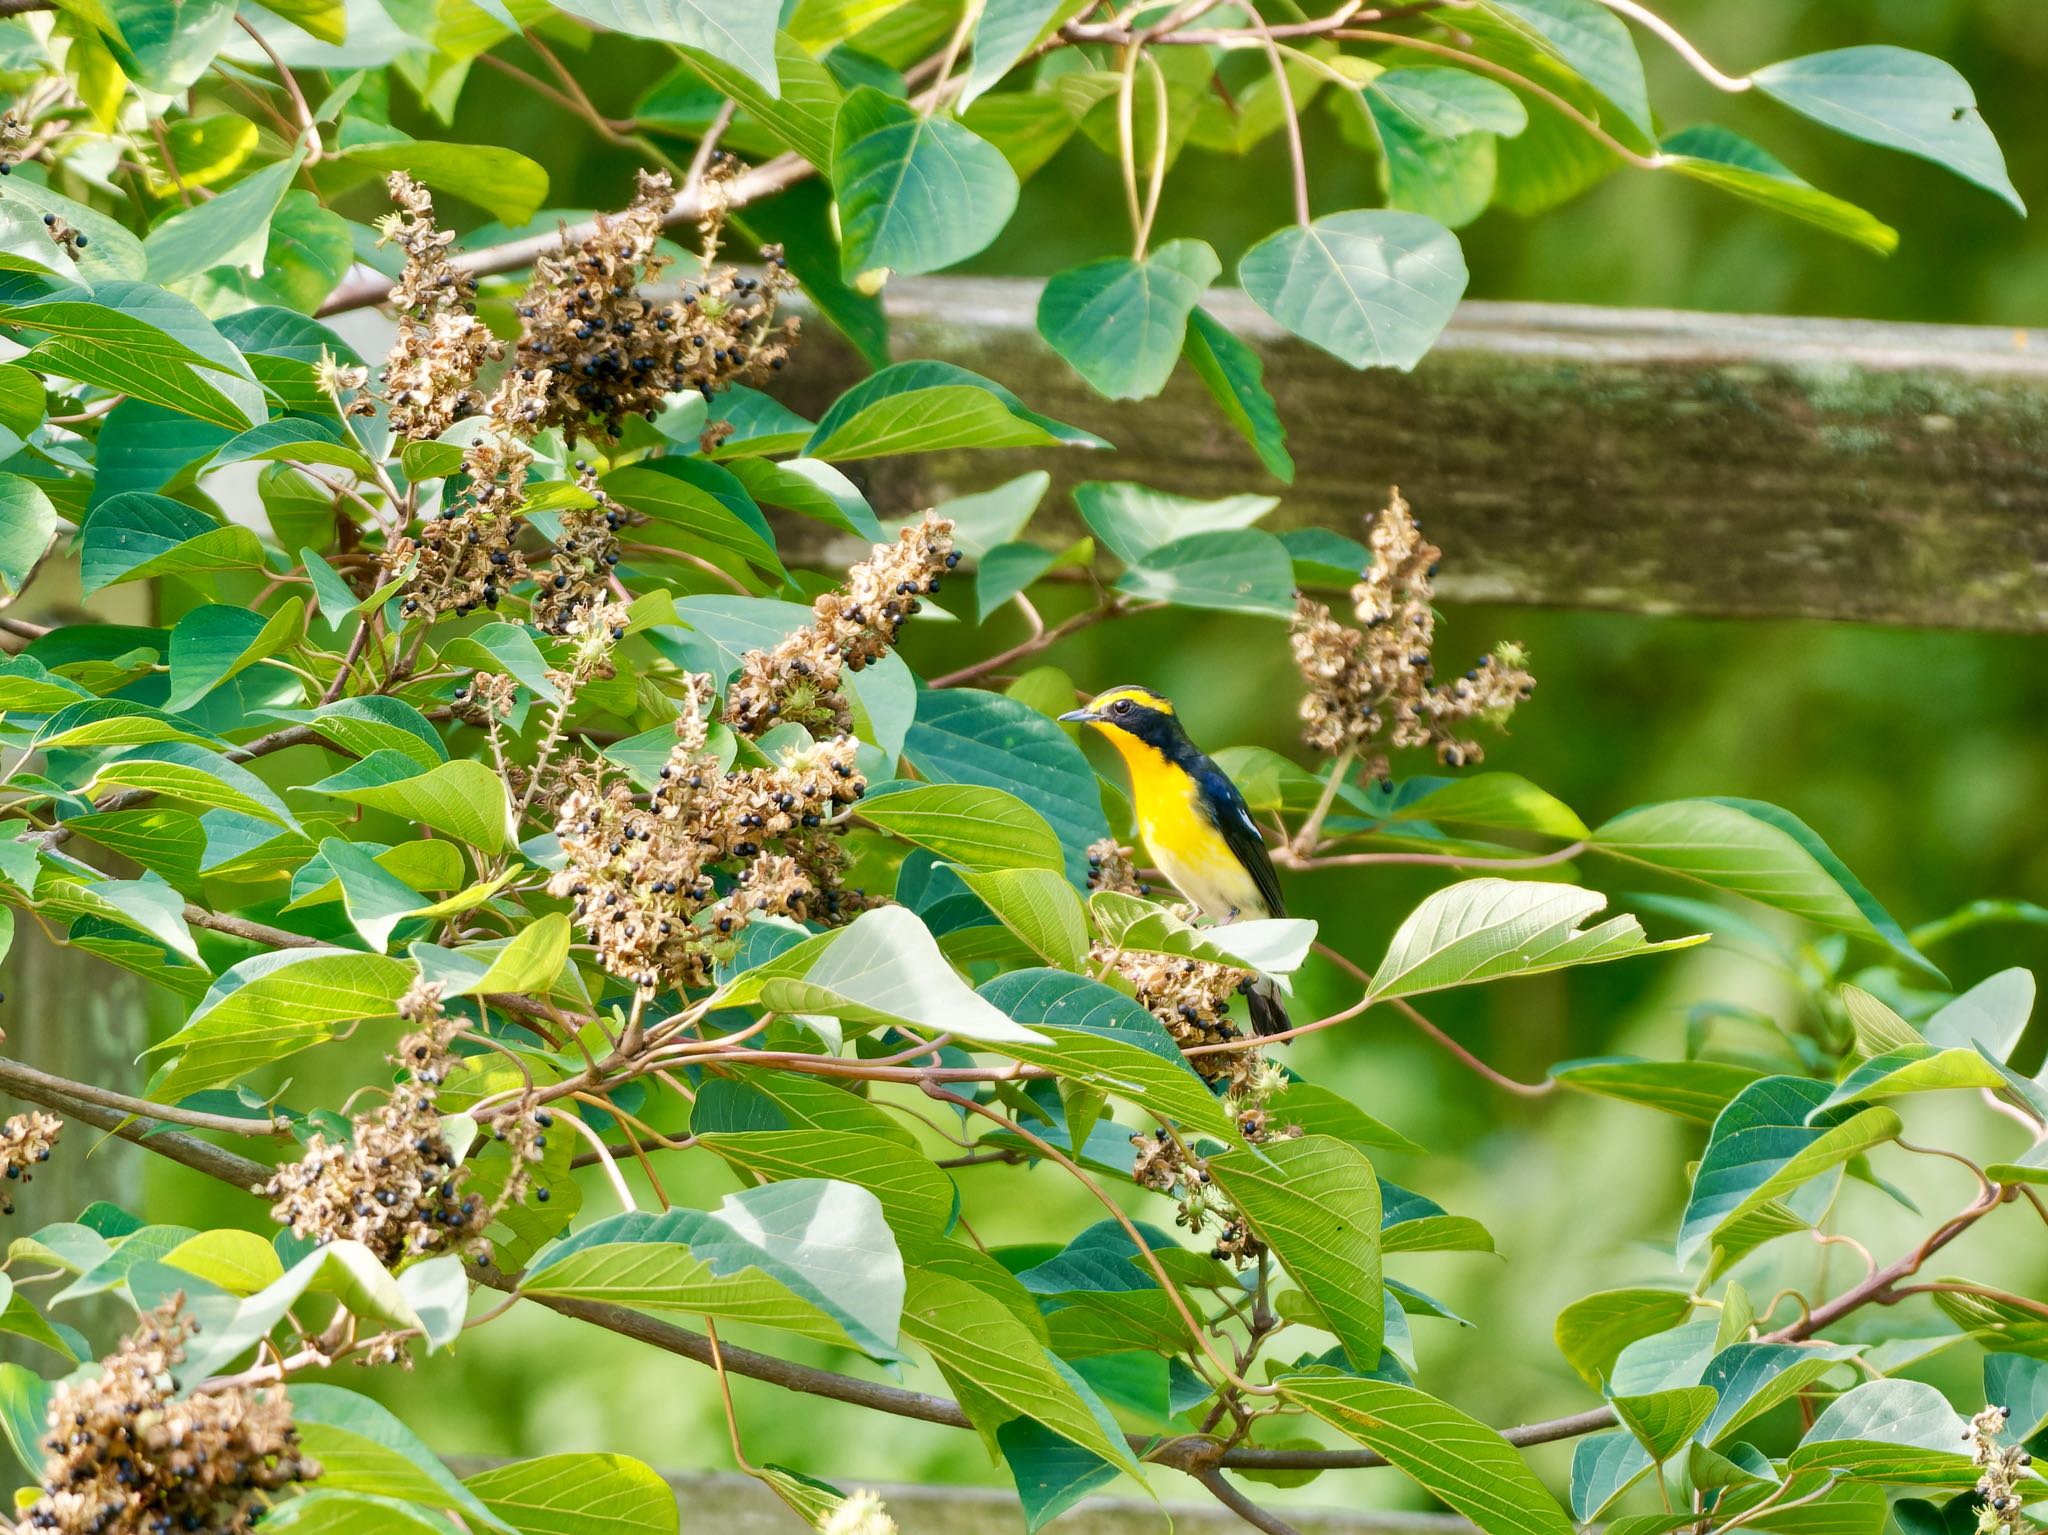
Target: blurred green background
(1920,757)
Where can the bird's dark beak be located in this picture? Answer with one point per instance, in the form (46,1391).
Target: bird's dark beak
(1079,717)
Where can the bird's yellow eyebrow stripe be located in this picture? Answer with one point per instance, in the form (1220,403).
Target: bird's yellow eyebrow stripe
(1136,696)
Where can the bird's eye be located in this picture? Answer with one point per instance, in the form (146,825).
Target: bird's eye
(1121,706)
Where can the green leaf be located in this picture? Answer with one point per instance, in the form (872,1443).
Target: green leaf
(736,32)
(1481,929)
(967,824)
(1728,161)
(795,105)
(1003,33)
(998,1367)
(1315,1202)
(1097,1035)
(884,968)
(1920,1068)
(1695,1090)
(1240,571)
(916,193)
(916,1197)
(1450,103)
(1236,380)
(1272,945)
(1133,521)
(1592,1331)
(811,488)
(1604,1466)
(1756,850)
(137,339)
(272,1006)
(1004,571)
(507,183)
(1877,1027)
(1040,907)
(326,1512)
(810,1256)
(27,524)
(1991,1016)
(1051,1472)
(1894,1431)
(705,501)
(1454,1457)
(361,726)
(964,735)
(463,798)
(1321,1111)
(529,961)
(579,1494)
(1505,801)
(181,770)
(362,1447)
(1373,287)
(212,643)
(1899,99)
(1765,1145)
(136,535)
(928,407)
(239,1262)
(1752,1378)
(1589,40)
(114,252)
(167,45)
(1121,322)
(232,229)
(2019,1384)
(1664,1420)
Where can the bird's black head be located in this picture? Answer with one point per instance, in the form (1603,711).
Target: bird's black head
(1134,712)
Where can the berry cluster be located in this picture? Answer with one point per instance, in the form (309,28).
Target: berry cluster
(129,1456)
(799,679)
(577,578)
(601,351)
(396,1185)
(1191,997)
(663,890)
(26,1141)
(1383,680)
(1111,867)
(431,372)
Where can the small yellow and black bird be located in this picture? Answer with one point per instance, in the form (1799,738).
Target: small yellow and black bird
(1195,825)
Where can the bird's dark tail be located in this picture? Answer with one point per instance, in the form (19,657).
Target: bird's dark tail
(1269,1016)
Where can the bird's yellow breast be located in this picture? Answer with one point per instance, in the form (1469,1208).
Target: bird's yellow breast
(1181,841)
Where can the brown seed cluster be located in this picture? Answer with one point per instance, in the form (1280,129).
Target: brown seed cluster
(396,1185)
(577,578)
(664,890)
(1382,681)
(430,375)
(1168,1165)
(1111,867)
(2004,1467)
(26,1141)
(1191,997)
(601,351)
(799,679)
(129,1456)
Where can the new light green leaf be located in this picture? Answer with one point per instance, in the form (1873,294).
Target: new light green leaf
(1920,1068)
(1315,1201)
(1897,98)
(1591,1332)
(183,770)
(509,184)
(1726,160)
(1662,1421)
(971,825)
(1481,929)
(579,1494)
(1372,286)
(1274,946)
(1040,907)
(1453,1456)
(363,1447)
(1003,33)
(27,524)
(1760,851)
(272,1006)
(916,192)
(930,407)
(807,1255)
(1992,1015)
(463,798)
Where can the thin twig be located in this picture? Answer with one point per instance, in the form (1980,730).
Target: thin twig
(1241,1505)
(1683,47)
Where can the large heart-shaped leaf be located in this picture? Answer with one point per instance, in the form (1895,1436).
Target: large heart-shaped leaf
(916,192)
(1373,286)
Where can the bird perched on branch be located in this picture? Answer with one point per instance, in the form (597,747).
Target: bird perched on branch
(1195,825)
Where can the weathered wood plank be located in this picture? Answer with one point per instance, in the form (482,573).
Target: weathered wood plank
(1573,456)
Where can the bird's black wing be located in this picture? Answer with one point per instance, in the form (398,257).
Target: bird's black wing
(1233,818)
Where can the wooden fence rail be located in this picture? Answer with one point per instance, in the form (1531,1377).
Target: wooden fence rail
(1578,457)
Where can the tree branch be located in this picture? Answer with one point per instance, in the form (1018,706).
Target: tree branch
(1241,1505)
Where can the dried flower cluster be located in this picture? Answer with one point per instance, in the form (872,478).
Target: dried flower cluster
(26,1141)
(860,1514)
(430,375)
(601,351)
(68,239)
(396,1185)
(2004,1467)
(1383,680)
(1168,1165)
(799,679)
(577,579)
(128,1456)
(663,890)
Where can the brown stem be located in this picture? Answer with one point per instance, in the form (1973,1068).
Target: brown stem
(1287,858)
(1241,1505)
